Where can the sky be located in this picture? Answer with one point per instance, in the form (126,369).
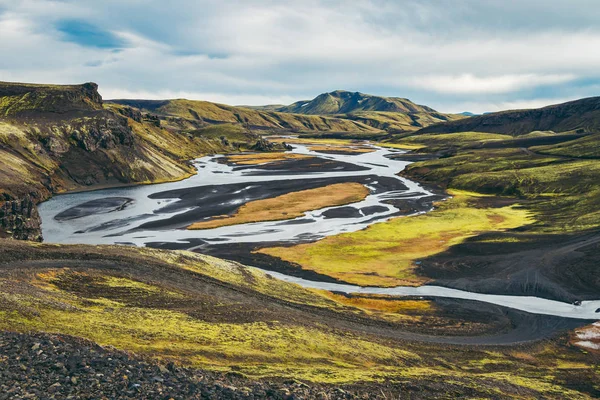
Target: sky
(452,55)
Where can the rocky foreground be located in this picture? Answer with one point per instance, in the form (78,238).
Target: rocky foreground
(45,366)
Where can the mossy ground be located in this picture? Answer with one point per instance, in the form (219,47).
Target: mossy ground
(290,205)
(264,158)
(385,254)
(179,307)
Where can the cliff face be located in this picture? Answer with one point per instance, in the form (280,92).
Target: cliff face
(19,219)
(57,138)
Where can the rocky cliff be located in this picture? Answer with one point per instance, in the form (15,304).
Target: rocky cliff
(57,138)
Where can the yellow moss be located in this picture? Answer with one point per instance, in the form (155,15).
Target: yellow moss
(384,254)
(380,303)
(263,158)
(290,205)
(402,146)
(348,149)
(259,348)
(313,141)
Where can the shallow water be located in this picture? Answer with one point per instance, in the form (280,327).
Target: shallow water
(127,225)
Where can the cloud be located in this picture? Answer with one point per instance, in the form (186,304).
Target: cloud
(437,52)
(243,99)
(469,83)
(518,104)
(85,34)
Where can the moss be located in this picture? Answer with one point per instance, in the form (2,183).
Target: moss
(290,205)
(444,142)
(264,158)
(385,254)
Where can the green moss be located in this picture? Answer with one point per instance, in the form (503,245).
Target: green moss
(384,254)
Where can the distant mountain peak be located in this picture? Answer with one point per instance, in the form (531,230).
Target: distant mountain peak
(347,102)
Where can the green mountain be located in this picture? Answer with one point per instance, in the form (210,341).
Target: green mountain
(213,113)
(581,114)
(392,114)
(55,138)
(344,102)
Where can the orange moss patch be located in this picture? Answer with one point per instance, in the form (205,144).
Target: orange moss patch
(348,149)
(263,158)
(290,205)
(380,303)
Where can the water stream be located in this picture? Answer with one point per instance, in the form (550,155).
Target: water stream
(150,215)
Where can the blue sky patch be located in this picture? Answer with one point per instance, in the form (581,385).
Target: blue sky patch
(85,34)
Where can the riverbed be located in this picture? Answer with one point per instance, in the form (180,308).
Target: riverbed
(157,215)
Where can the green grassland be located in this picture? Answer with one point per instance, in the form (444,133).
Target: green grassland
(561,182)
(445,142)
(384,254)
(199,311)
(586,147)
(207,112)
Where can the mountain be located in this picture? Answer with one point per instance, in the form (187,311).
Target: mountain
(392,114)
(55,138)
(334,113)
(213,113)
(344,102)
(575,115)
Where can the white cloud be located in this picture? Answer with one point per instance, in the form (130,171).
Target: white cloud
(469,83)
(267,51)
(234,99)
(482,107)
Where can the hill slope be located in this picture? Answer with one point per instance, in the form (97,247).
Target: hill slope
(213,113)
(344,102)
(56,138)
(392,114)
(579,114)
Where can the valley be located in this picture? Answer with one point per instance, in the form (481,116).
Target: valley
(264,247)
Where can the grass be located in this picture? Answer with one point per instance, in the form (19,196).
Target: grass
(384,254)
(438,142)
(563,193)
(310,141)
(402,146)
(263,158)
(290,205)
(212,112)
(189,321)
(586,147)
(257,348)
(346,149)
(399,121)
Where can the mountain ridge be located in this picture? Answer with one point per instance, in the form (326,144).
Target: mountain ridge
(346,102)
(573,115)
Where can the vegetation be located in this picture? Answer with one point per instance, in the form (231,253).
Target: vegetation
(385,254)
(290,205)
(445,142)
(343,102)
(199,311)
(586,147)
(345,149)
(262,158)
(562,190)
(210,113)
(576,115)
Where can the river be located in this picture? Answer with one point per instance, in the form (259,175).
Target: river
(156,215)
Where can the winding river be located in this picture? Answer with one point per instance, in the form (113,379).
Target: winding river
(156,215)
